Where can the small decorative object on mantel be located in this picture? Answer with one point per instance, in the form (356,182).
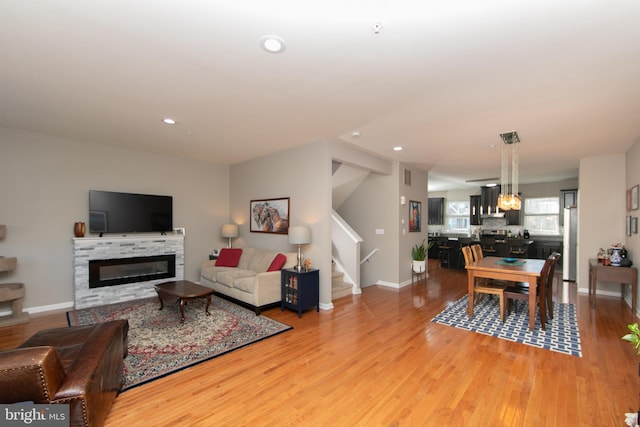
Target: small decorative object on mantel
(79,228)
(307,264)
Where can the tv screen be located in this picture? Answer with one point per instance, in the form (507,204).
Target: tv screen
(112,212)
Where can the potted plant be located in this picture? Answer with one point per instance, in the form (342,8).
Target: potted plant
(419,256)
(634,339)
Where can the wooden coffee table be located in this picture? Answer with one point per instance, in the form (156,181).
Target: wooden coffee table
(184,291)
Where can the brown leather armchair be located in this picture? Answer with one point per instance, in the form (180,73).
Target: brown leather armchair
(81,366)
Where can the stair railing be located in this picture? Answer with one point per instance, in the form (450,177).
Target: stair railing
(346,249)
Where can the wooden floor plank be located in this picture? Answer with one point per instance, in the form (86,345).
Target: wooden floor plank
(376,359)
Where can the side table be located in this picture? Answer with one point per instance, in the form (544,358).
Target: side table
(300,290)
(608,273)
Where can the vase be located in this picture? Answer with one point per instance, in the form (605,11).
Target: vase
(79,229)
(616,259)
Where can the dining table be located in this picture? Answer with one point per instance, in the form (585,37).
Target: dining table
(523,270)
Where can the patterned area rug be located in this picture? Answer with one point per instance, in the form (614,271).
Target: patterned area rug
(159,344)
(561,335)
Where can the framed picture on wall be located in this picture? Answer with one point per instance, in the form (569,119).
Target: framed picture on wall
(634,198)
(269,216)
(629,220)
(415,215)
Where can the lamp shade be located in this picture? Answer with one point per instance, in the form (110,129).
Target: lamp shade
(229,230)
(299,235)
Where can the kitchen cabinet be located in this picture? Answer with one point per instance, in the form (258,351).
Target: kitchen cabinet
(514,217)
(436,211)
(489,199)
(474,210)
(543,247)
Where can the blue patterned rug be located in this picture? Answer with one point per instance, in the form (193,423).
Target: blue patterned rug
(562,334)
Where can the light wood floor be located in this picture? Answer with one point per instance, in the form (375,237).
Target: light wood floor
(378,360)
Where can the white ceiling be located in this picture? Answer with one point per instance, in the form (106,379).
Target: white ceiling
(442,78)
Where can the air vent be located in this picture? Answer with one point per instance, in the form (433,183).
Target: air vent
(407,177)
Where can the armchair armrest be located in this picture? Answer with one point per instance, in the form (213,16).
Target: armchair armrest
(95,377)
(30,374)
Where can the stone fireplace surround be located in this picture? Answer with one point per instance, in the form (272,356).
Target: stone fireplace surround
(92,248)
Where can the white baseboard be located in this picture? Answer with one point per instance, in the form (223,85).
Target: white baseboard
(41,308)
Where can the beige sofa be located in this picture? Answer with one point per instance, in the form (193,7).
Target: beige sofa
(249,283)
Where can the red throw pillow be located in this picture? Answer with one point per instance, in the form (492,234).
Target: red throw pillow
(277,263)
(229,257)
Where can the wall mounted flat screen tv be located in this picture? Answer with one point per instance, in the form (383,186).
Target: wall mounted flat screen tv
(112,212)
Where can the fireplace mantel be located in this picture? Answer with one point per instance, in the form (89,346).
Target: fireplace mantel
(86,249)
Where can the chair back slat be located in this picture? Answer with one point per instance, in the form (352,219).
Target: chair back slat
(477,252)
(468,256)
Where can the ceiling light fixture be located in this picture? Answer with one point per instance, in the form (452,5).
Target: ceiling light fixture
(509,198)
(272,44)
(398,148)
(168,121)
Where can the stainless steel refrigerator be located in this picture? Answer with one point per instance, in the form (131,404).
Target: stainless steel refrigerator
(570,244)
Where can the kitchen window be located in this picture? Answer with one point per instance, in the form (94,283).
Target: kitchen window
(458,217)
(542,215)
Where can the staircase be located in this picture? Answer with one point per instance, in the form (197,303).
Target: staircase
(339,288)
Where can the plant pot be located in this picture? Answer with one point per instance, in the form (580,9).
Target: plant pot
(419,266)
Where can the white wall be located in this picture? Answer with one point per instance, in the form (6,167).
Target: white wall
(304,175)
(632,243)
(601,212)
(44,186)
(369,209)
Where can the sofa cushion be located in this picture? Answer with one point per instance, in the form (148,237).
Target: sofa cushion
(229,257)
(246,284)
(228,277)
(277,263)
(247,253)
(261,260)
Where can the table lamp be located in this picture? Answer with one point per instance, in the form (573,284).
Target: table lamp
(299,235)
(229,231)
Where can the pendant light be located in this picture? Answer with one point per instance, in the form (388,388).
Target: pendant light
(509,198)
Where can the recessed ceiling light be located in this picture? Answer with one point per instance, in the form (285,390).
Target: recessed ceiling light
(272,44)
(398,148)
(168,121)
(355,134)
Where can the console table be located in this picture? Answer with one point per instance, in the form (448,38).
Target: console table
(607,273)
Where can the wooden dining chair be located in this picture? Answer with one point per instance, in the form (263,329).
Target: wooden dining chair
(476,249)
(462,242)
(549,290)
(520,291)
(482,286)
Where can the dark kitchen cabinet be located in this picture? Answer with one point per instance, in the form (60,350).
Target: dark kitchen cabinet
(474,210)
(489,197)
(436,211)
(514,217)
